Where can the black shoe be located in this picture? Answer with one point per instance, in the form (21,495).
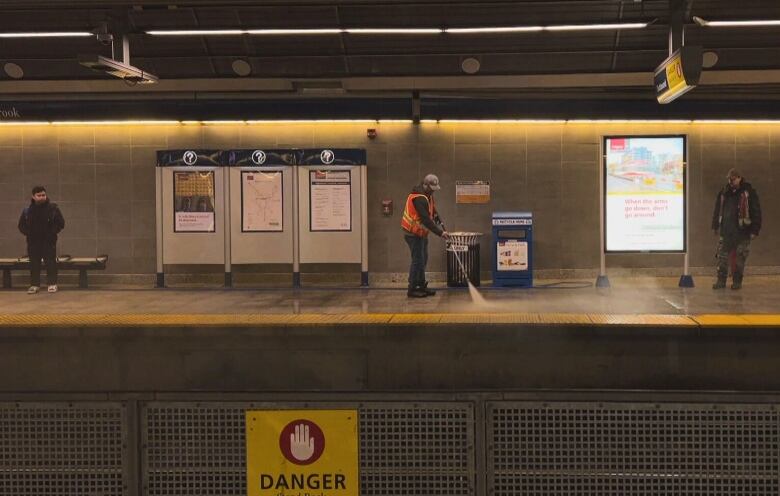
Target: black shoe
(428,292)
(736,285)
(416,293)
(719,284)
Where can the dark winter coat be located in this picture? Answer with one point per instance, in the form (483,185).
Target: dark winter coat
(41,223)
(737,211)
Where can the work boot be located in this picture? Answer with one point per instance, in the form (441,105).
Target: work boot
(719,284)
(416,292)
(736,283)
(428,292)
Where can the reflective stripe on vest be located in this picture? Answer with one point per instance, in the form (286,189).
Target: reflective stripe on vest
(411,220)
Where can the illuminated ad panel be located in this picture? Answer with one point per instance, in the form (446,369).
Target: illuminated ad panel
(644,204)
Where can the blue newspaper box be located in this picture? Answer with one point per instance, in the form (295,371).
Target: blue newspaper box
(513,249)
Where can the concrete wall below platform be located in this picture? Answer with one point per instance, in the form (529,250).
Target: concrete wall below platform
(364,358)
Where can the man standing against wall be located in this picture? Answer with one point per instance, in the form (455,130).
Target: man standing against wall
(40,222)
(420,217)
(736,220)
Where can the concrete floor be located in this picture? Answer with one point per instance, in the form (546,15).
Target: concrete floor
(760,295)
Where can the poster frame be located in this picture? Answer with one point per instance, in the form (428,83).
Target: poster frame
(213,174)
(249,171)
(351,220)
(684,191)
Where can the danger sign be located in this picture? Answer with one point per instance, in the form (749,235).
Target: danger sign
(302,452)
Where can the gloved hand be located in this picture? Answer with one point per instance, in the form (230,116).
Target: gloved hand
(445,235)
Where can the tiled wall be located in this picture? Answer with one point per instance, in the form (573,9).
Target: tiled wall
(103,178)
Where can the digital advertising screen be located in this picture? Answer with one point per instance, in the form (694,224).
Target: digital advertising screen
(644,204)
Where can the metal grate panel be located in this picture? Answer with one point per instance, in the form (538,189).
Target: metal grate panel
(424,449)
(62,449)
(624,449)
(421,448)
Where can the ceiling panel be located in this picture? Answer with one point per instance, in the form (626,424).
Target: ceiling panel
(335,56)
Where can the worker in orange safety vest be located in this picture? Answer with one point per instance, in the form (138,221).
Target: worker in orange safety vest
(420,217)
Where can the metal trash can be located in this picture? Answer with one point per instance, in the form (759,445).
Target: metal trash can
(466,245)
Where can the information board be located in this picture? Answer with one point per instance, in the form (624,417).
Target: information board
(262,201)
(644,193)
(302,452)
(330,201)
(193,201)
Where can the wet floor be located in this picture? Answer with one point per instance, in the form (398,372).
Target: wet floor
(759,295)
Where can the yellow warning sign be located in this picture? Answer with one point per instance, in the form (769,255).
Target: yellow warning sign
(302,453)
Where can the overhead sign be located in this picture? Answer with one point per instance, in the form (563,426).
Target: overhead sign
(644,184)
(678,74)
(302,453)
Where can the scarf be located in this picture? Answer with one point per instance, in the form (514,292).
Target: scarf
(743,214)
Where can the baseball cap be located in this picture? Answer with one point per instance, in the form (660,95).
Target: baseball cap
(733,173)
(432,181)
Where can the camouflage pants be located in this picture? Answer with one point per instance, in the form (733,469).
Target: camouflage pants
(732,250)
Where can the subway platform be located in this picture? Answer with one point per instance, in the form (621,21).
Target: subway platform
(640,334)
(629,301)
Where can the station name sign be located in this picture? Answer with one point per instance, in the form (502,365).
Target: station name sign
(9,113)
(678,74)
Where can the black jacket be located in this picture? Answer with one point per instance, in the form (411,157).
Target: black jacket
(41,223)
(421,205)
(725,217)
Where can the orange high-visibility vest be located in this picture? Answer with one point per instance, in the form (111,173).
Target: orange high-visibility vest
(411,220)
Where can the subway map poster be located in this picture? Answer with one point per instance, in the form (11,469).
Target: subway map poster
(644,193)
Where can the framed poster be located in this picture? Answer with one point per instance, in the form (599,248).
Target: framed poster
(472,191)
(644,194)
(330,201)
(262,201)
(193,201)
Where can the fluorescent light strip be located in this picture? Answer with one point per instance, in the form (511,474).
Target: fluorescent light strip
(385,121)
(504,29)
(596,27)
(47,35)
(742,23)
(293,31)
(395,31)
(515,29)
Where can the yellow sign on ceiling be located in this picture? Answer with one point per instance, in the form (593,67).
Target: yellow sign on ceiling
(674,73)
(302,453)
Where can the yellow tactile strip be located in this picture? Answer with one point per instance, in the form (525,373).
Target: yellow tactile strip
(386,319)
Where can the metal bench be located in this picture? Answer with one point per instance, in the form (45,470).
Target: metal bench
(64,262)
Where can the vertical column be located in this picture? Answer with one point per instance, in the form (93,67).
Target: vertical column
(158,180)
(227,173)
(686,280)
(602,281)
(363,169)
(296,233)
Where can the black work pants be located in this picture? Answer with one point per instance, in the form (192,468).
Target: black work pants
(419,249)
(47,252)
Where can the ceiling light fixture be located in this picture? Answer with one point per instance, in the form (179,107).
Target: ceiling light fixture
(475,30)
(714,24)
(53,34)
(596,27)
(509,29)
(394,31)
